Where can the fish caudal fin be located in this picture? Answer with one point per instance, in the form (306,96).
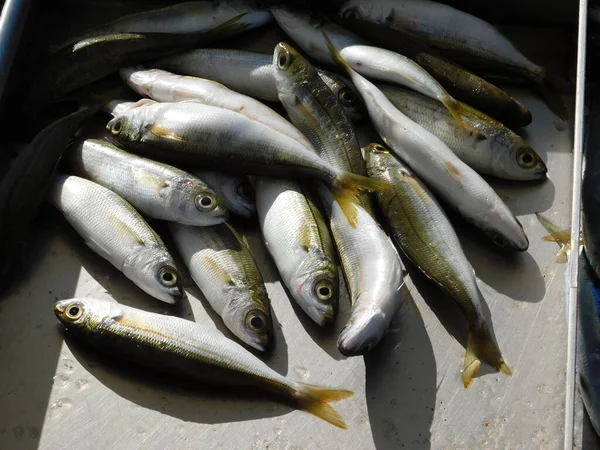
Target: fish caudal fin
(315,400)
(346,187)
(481,346)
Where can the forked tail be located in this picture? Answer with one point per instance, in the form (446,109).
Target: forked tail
(346,188)
(481,346)
(315,400)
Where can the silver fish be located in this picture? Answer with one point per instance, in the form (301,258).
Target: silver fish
(113,229)
(222,266)
(297,238)
(195,134)
(155,189)
(493,150)
(188,350)
(373,272)
(424,233)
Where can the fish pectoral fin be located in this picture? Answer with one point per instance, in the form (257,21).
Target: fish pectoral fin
(315,400)
(165,133)
(558,236)
(123,230)
(240,237)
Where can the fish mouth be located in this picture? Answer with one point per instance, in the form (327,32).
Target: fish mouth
(322,315)
(261,343)
(358,339)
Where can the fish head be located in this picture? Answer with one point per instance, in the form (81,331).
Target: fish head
(290,65)
(242,196)
(127,127)
(377,158)
(315,286)
(194,203)
(364,329)
(515,159)
(504,229)
(153,270)
(251,322)
(355,10)
(85,314)
(141,80)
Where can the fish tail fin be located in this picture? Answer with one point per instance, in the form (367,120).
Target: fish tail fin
(481,345)
(315,400)
(346,187)
(336,56)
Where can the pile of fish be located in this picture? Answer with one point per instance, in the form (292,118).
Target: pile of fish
(223,133)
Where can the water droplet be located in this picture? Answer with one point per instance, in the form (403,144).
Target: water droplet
(302,372)
(81,383)
(59,405)
(68,365)
(61,380)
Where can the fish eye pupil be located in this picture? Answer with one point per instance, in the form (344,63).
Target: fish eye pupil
(527,158)
(168,277)
(324,291)
(256,322)
(499,241)
(117,127)
(347,97)
(352,14)
(284,60)
(74,311)
(206,201)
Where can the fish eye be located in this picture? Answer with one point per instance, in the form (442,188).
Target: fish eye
(379,148)
(499,241)
(351,13)
(205,202)
(245,191)
(284,59)
(116,127)
(256,321)
(526,159)
(74,312)
(168,276)
(324,290)
(347,97)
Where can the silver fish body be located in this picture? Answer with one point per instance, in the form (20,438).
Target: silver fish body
(493,150)
(222,266)
(163,86)
(236,192)
(446,174)
(183,18)
(157,190)
(373,273)
(253,74)
(424,233)
(297,238)
(188,350)
(113,229)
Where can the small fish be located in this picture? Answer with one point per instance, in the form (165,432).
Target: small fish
(188,350)
(493,150)
(459,82)
(373,273)
(222,266)
(297,238)
(465,38)
(253,74)
(23,188)
(209,137)
(424,233)
(113,229)
(182,18)
(450,178)
(236,192)
(155,189)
